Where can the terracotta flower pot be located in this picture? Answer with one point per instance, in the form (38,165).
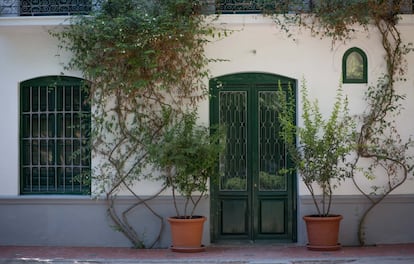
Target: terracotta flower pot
(186,234)
(323,232)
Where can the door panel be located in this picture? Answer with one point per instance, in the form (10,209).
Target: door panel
(251,200)
(271,222)
(234,216)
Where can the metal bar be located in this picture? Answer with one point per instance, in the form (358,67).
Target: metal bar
(43,171)
(60,7)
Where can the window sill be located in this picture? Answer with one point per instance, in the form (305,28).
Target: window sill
(34,21)
(45,199)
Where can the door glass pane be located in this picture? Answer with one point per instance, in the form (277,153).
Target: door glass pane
(271,151)
(233,114)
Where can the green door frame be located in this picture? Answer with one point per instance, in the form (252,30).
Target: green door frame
(251,84)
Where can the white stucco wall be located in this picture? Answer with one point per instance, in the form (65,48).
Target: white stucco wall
(255,44)
(26,51)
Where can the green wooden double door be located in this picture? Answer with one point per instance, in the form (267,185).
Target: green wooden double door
(251,200)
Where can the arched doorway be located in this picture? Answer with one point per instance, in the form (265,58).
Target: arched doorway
(251,201)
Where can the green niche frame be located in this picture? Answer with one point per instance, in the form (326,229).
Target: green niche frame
(354,66)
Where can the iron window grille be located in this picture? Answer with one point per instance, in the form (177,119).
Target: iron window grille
(54,132)
(260,6)
(279,6)
(55,7)
(82,7)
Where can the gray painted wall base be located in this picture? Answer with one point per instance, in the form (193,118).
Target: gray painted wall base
(389,223)
(80,221)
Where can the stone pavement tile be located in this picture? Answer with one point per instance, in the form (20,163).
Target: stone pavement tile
(243,254)
(369,260)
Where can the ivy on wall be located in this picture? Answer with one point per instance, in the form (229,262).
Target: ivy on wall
(146,65)
(145,62)
(378,138)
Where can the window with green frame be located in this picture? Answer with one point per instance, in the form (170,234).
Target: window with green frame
(354,66)
(54,132)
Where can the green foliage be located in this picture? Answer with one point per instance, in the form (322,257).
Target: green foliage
(270,181)
(138,45)
(188,156)
(145,56)
(378,140)
(323,145)
(141,58)
(380,143)
(234,183)
(337,19)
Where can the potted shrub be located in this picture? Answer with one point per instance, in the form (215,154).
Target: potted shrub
(188,157)
(319,157)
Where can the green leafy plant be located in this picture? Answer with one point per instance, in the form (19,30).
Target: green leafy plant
(234,183)
(335,19)
(271,182)
(187,156)
(323,144)
(139,57)
(378,140)
(380,143)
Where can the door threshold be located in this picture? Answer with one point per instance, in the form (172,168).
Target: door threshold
(231,243)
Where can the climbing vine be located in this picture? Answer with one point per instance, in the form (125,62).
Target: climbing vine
(145,64)
(378,139)
(144,59)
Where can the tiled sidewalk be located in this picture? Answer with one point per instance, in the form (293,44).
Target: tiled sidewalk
(213,254)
